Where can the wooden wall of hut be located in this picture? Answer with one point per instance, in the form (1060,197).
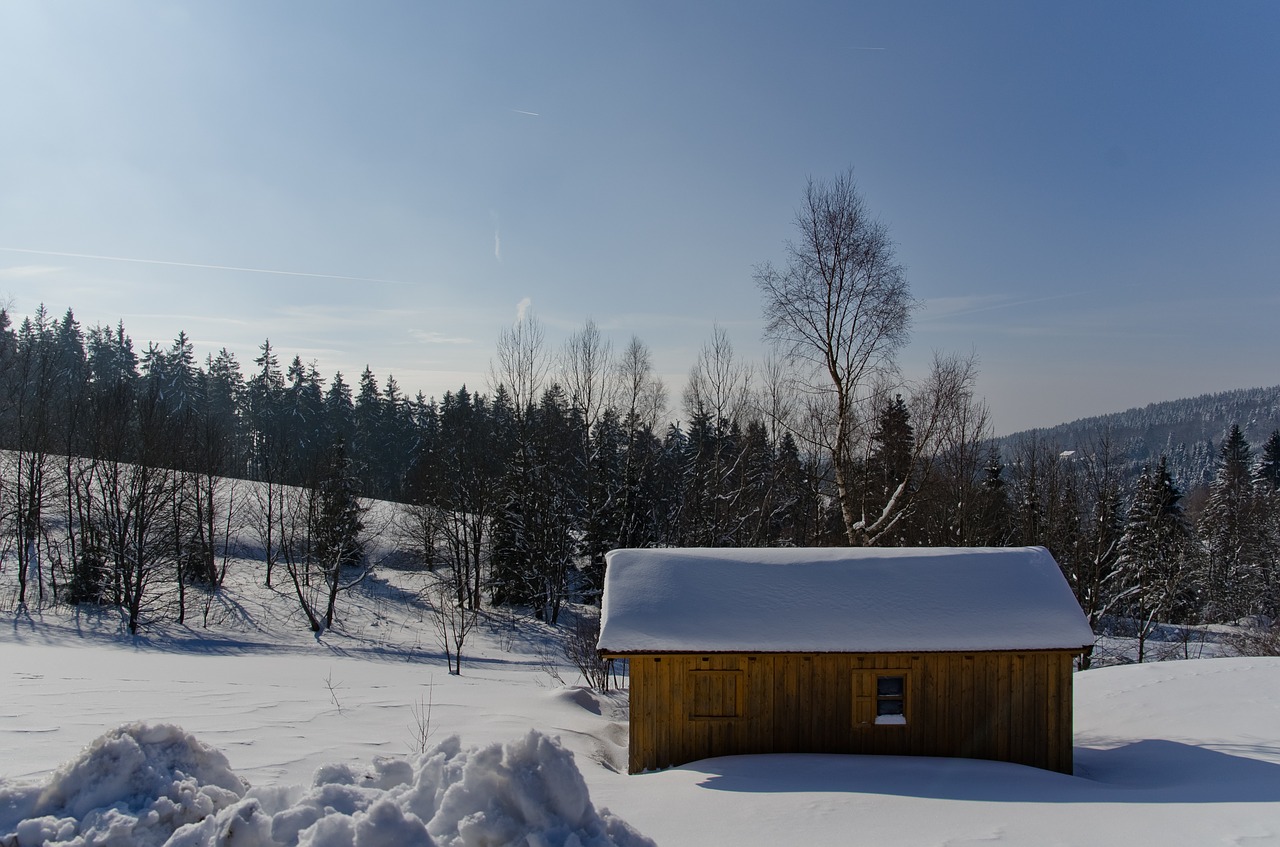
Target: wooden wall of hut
(1013,707)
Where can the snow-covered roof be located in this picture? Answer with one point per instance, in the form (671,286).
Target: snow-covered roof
(862,600)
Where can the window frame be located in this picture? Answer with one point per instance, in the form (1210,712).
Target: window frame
(723,676)
(867,697)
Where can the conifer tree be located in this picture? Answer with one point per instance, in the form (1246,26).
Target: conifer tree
(112,359)
(367,445)
(534,540)
(754,488)
(1157,558)
(339,410)
(459,474)
(1269,469)
(1235,579)
(893,445)
(1267,492)
(303,421)
(337,522)
(795,513)
(994,519)
(269,446)
(218,456)
(400,440)
(604,499)
(643,508)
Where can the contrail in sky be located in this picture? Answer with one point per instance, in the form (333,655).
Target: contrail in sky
(1009,304)
(198,265)
(523,112)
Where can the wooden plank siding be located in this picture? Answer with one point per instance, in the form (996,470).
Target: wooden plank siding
(1013,707)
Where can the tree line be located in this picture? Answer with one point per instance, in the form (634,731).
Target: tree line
(520,493)
(120,468)
(1188,432)
(119,483)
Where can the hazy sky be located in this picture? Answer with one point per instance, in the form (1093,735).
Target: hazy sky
(1087,195)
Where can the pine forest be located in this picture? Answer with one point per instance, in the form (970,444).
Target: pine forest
(126,475)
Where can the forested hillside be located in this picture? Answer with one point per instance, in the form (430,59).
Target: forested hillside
(1188,432)
(118,473)
(118,480)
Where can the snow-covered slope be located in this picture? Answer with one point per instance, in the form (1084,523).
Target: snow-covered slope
(1180,753)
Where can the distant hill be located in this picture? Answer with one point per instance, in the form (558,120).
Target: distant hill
(1188,431)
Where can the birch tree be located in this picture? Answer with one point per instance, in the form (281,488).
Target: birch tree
(840,310)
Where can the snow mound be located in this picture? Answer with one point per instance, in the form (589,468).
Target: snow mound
(134,785)
(158,786)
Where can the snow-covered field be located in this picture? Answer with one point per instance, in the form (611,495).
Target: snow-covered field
(1168,754)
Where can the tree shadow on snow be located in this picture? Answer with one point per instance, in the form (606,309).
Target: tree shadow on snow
(1150,771)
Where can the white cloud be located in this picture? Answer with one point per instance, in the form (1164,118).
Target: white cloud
(497,239)
(24,271)
(522,309)
(946,307)
(202,265)
(437,337)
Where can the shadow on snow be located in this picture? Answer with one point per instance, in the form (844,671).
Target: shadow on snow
(1149,771)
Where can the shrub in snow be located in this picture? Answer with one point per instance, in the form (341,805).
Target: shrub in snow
(155,785)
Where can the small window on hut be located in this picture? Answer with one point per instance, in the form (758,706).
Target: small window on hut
(715,694)
(880,697)
(891,700)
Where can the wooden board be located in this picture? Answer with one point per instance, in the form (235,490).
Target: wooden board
(1012,707)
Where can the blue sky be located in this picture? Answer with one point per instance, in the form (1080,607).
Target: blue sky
(1087,195)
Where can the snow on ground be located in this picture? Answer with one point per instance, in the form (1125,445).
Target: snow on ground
(144,784)
(1177,753)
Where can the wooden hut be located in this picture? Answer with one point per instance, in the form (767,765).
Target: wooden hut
(903,651)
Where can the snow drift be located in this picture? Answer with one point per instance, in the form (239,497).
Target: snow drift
(157,786)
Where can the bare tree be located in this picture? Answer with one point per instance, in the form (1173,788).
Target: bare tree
(418,529)
(292,516)
(640,393)
(955,462)
(521,364)
(579,647)
(840,310)
(32,380)
(586,370)
(456,487)
(453,621)
(1102,463)
(777,400)
(466,542)
(719,384)
(322,539)
(134,499)
(945,415)
(266,517)
(641,399)
(717,400)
